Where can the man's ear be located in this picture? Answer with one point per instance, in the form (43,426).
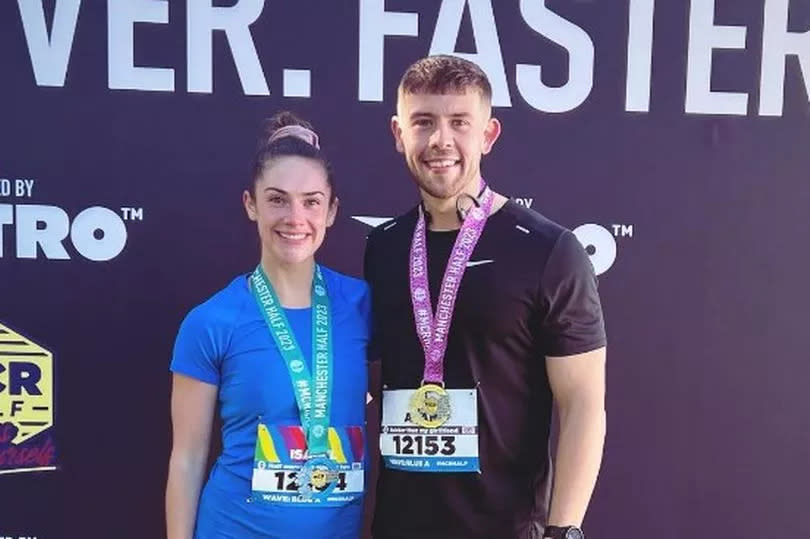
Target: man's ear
(396,130)
(491,134)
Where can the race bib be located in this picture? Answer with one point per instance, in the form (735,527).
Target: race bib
(283,472)
(407,445)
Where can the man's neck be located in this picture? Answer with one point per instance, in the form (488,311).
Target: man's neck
(291,282)
(444,212)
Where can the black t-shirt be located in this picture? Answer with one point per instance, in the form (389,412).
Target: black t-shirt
(529,291)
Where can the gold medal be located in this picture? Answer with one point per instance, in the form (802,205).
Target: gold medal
(430,406)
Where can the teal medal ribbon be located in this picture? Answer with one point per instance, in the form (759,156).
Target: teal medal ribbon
(313,394)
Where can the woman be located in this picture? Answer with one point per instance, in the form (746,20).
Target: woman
(283,352)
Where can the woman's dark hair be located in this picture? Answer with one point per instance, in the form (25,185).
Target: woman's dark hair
(279,142)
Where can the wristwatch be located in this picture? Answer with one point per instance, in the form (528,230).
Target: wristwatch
(563,532)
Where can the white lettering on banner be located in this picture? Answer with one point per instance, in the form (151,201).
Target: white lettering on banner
(704,38)
(235,21)
(97,233)
(50,52)
(487,45)
(777,43)
(600,245)
(49,236)
(6,218)
(23,188)
(49,55)
(122,74)
(580,61)
(18,187)
(375,24)
(639,55)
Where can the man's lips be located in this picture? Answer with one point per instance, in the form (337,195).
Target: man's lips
(440,164)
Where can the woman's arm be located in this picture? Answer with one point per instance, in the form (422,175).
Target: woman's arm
(193,404)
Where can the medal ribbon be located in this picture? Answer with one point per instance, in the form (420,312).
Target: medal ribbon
(312,394)
(433,330)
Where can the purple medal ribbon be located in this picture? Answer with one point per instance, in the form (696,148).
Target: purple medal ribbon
(433,330)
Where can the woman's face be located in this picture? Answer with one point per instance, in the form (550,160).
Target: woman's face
(291,208)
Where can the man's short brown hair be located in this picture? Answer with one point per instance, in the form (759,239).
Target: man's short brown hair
(444,74)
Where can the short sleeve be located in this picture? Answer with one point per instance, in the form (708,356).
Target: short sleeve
(198,348)
(573,322)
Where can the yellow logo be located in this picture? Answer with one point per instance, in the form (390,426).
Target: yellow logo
(429,406)
(26,404)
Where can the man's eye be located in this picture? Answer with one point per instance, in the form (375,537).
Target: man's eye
(460,123)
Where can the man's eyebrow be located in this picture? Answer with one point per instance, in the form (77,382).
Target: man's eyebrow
(424,114)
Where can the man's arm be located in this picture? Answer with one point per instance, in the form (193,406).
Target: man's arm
(578,385)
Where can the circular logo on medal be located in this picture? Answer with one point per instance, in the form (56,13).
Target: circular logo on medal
(419,294)
(317,478)
(318,431)
(296,365)
(430,406)
(319,290)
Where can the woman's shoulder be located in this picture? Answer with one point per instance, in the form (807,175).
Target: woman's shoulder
(344,287)
(222,307)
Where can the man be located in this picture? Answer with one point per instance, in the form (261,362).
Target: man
(488,353)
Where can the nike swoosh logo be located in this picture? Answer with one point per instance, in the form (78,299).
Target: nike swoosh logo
(472,263)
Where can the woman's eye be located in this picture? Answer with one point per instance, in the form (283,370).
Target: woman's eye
(312,202)
(275,200)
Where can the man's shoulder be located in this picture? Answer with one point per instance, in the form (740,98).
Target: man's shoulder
(393,228)
(530,227)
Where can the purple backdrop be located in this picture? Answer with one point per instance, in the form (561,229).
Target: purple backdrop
(695,171)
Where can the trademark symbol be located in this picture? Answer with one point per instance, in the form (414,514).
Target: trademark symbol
(623,231)
(132,214)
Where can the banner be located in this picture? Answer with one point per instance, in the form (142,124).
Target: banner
(669,136)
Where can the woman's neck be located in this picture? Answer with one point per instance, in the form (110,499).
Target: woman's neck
(291,282)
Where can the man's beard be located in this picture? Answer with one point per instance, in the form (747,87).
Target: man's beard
(441,189)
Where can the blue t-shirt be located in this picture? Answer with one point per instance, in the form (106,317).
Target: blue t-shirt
(226,342)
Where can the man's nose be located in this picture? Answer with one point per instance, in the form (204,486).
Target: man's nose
(442,136)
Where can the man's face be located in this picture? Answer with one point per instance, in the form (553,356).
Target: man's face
(443,137)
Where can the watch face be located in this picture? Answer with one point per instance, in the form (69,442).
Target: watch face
(574,533)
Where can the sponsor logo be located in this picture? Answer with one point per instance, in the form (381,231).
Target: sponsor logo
(297,365)
(46,231)
(26,405)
